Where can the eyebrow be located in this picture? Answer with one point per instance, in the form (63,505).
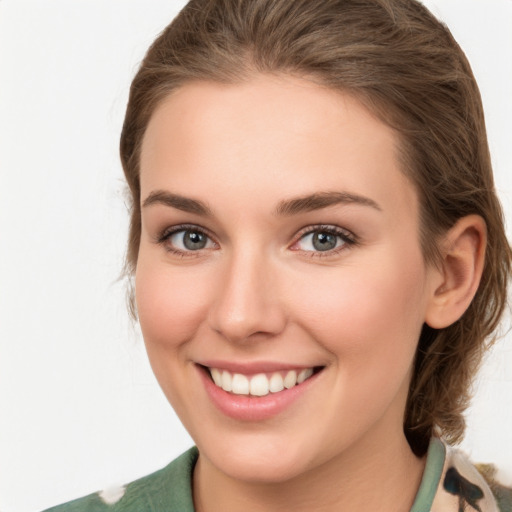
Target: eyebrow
(182,203)
(293,206)
(320,200)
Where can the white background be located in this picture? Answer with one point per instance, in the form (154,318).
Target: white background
(79,407)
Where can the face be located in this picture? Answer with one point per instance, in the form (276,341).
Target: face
(280,283)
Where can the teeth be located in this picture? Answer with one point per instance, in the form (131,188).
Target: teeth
(226,381)
(304,374)
(240,384)
(260,384)
(276,383)
(216,376)
(291,379)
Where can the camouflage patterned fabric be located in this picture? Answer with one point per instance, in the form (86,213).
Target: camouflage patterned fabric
(450,483)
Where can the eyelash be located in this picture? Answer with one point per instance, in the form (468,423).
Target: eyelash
(348,239)
(164,237)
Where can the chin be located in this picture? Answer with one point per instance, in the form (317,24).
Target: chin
(258,460)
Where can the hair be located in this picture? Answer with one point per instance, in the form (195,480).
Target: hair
(404,65)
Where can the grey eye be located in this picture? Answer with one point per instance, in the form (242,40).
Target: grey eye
(193,240)
(190,240)
(324,241)
(320,241)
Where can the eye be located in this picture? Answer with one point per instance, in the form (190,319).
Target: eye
(183,240)
(323,239)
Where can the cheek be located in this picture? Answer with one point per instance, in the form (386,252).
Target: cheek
(367,314)
(170,304)
(369,321)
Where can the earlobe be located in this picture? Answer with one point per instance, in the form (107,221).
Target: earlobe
(460,271)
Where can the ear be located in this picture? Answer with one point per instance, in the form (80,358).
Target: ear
(459,273)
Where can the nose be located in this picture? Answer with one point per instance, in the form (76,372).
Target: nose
(247,304)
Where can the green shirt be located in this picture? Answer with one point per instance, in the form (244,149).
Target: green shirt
(450,483)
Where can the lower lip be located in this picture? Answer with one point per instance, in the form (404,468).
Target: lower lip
(253,408)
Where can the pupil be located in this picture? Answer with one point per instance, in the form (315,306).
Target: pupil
(324,241)
(194,240)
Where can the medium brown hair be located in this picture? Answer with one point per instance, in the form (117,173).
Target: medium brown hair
(405,66)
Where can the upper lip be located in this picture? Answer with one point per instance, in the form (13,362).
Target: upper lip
(254,367)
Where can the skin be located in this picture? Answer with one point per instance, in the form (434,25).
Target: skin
(259,291)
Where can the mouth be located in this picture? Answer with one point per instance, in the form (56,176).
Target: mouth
(260,384)
(253,392)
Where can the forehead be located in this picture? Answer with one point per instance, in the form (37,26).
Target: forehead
(272,135)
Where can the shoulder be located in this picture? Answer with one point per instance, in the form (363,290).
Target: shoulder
(502,493)
(167,489)
(471,485)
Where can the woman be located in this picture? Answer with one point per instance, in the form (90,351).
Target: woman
(319,256)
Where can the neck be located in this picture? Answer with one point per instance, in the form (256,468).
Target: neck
(370,476)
